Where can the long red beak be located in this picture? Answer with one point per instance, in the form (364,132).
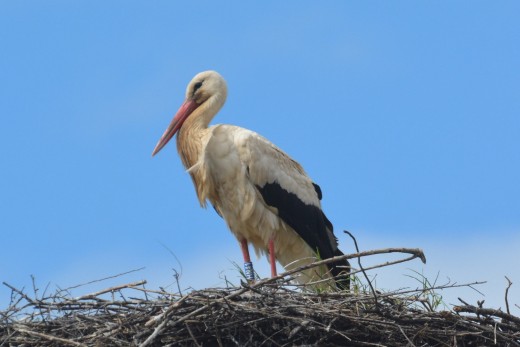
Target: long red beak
(184,111)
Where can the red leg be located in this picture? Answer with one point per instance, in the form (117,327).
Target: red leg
(272,258)
(248,265)
(245,251)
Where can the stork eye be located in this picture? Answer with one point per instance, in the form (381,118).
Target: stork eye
(197,86)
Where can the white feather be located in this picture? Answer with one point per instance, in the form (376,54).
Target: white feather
(234,162)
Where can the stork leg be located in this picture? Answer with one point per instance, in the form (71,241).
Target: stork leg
(248,265)
(272,258)
(245,251)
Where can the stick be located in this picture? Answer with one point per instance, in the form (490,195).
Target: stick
(22,294)
(50,337)
(103,279)
(507,290)
(108,290)
(487,312)
(364,273)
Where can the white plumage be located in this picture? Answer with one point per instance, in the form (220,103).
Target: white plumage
(265,197)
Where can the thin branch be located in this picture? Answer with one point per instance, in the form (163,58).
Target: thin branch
(22,294)
(507,290)
(487,312)
(361,267)
(104,279)
(109,290)
(50,337)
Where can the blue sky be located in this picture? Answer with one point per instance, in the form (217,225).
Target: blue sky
(406,113)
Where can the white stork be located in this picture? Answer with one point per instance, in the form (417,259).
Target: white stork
(265,197)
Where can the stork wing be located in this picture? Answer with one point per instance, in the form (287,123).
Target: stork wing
(283,184)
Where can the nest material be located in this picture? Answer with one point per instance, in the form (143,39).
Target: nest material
(267,313)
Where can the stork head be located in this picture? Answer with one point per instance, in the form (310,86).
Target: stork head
(205,95)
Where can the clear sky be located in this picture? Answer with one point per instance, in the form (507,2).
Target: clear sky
(406,113)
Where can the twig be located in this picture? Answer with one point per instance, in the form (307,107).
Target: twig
(192,336)
(361,267)
(405,336)
(22,294)
(109,290)
(507,290)
(486,311)
(103,279)
(50,337)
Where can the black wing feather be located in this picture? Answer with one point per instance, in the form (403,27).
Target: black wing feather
(308,221)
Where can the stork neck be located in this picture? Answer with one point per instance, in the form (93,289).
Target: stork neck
(203,114)
(189,139)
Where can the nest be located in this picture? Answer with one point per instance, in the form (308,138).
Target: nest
(271,312)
